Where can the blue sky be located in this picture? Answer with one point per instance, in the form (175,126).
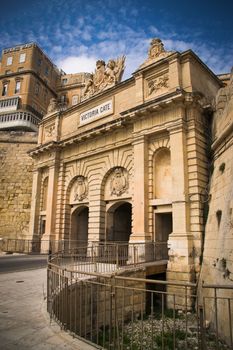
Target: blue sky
(75,33)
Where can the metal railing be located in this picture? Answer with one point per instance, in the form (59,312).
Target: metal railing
(107,257)
(118,312)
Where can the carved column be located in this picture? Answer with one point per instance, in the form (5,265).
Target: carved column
(140,192)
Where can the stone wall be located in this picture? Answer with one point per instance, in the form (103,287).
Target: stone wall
(217,265)
(94,304)
(15,182)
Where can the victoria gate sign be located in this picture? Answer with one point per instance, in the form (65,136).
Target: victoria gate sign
(102,110)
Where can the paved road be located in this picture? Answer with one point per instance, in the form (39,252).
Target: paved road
(12,263)
(24,322)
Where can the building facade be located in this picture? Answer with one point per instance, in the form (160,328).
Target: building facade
(28,81)
(129,162)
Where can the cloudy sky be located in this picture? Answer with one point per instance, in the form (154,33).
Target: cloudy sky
(75,33)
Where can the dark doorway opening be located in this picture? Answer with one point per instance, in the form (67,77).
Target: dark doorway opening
(79,228)
(155,300)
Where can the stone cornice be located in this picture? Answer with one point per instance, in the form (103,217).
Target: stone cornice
(99,130)
(176,98)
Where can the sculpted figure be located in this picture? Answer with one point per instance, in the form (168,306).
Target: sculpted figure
(89,86)
(104,76)
(99,74)
(114,70)
(53,105)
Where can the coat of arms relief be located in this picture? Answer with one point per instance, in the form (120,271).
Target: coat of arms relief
(119,182)
(80,189)
(104,76)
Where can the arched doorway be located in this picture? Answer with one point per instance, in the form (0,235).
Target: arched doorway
(118,230)
(79,227)
(119,222)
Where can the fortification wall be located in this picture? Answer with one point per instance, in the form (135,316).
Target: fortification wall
(217,265)
(15,182)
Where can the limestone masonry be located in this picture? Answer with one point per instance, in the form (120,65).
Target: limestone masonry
(134,161)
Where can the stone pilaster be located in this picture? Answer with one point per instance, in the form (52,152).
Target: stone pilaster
(180,264)
(140,191)
(35,203)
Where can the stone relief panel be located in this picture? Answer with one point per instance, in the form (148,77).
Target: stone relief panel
(49,132)
(157,84)
(117,184)
(79,190)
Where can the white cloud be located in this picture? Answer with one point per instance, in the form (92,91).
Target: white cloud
(74,64)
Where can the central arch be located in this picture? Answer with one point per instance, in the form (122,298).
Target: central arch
(119,222)
(79,227)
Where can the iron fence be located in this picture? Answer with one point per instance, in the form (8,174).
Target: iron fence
(131,312)
(108,257)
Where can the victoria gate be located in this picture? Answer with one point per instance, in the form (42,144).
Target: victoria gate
(120,166)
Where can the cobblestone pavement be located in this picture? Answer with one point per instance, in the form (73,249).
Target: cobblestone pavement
(24,322)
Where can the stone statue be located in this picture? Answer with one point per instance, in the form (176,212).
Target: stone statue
(104,76)
(53,105)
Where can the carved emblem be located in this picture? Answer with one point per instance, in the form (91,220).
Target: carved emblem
(50,131)
(104,76)
(156,52)
(53,105)
(80,190)
(156,48)
(158,83)
(119,182)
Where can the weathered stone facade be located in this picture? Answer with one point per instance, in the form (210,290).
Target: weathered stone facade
(217,267)
(15,183)
(129,163)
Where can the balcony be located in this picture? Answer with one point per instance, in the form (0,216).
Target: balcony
(9,104)
(20,120)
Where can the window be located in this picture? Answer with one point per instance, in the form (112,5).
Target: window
(4,89)
(17,87)
(39,62)
(8,72)
(37,89)
(46,70)
(22,57)
(64,81)
(9,61)
(63,98)
(74,100)
(20,69)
